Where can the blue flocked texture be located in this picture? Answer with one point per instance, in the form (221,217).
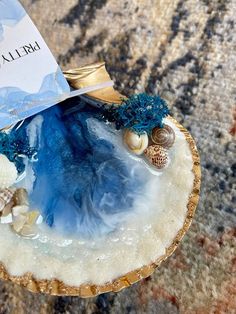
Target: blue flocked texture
(140,113)
(82,187)
(16,149)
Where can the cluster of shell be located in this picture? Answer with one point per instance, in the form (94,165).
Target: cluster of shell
(154,148)
(14,203)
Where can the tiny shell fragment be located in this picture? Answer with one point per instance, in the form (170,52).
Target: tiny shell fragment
(7,209)
(6,196)
(24,223)
(21,197)
(19,209)
(19,223)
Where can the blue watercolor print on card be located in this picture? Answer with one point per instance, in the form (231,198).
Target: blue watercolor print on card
(30,78)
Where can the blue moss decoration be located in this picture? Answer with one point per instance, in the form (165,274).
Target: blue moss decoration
(15,149)
(140,113)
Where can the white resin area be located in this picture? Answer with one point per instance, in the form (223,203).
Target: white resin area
(144,236)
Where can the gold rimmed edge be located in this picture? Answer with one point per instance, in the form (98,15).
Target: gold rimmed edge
(58,288)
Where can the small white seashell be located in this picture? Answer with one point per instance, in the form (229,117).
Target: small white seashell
(135,142)
(8,172)
(19,209)
(24,223)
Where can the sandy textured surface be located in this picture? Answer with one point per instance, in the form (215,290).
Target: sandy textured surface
(185,49)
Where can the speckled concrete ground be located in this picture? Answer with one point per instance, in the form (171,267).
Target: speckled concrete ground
(186,50)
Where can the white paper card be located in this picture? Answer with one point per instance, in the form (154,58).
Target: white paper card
(30,78)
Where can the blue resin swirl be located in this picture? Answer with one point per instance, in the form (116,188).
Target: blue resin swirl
(84,183)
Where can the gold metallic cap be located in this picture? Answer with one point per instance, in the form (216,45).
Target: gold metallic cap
(90,75)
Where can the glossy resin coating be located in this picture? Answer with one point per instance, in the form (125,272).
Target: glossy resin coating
(82,178)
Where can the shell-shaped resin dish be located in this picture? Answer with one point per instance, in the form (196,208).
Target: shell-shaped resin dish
(88,268)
